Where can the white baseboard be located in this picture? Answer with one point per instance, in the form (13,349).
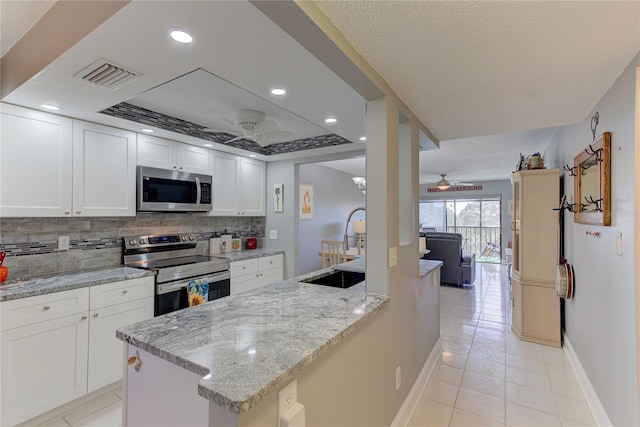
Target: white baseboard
(599,414)
(409,405)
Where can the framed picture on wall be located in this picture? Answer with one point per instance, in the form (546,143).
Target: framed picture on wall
(278,194)
(306,201)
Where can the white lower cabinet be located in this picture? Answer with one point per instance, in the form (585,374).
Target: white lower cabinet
(254,273)
(57,347)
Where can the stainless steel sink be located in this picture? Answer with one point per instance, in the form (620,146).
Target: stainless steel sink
(337,279)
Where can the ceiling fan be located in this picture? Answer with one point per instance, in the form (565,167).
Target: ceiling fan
(253,126)
(444,184)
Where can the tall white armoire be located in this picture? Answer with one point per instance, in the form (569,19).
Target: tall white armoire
(535,313)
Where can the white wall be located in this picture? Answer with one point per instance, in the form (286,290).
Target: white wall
(335,197)
(600,318)
(501,189)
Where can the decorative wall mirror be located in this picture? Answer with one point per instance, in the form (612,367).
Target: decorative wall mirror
(592,183)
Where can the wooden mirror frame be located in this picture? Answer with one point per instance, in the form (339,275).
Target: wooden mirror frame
(603,216)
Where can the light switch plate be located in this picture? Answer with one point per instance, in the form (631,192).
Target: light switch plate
(273,234)
(287,397)
(619,243)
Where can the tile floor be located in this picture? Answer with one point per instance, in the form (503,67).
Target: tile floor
(485,376)
(488,377)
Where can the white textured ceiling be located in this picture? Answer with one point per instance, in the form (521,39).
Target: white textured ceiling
(471,68)
(483,76)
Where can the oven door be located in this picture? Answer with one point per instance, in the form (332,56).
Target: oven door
(172,296)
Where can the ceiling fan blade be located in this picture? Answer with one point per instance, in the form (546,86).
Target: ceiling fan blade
(266,127)
(234,139)
(263,141)
(229,121)
(215,130)
(462,184)
(279,135)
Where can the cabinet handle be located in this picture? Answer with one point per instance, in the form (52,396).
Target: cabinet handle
(175,167)
(244,268)
(95,314)
(84,317)
(46,307)
(124,291)
(78,212)
(180,168)
(67,212)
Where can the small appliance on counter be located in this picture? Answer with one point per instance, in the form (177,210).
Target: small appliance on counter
(251,243)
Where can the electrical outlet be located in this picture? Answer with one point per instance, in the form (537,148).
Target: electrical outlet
(393,256)
(63,243)
(273,234)
(398,378)
(287,397)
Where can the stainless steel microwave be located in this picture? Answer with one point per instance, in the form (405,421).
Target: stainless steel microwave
(165,190)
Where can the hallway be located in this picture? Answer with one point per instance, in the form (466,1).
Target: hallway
(488,377)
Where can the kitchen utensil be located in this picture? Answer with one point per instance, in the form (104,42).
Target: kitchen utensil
(251,243)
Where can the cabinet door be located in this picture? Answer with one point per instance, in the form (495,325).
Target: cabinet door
(105,350)
(156,152)
(104,170)
(226,173)
(43,366)
(271,276)
(516,306)
(190,158)
(35,165)
(252,187)
(244,283)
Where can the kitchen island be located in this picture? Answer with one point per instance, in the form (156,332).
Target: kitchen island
(235,351)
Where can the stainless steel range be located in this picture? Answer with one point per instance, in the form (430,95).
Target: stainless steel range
(173,257)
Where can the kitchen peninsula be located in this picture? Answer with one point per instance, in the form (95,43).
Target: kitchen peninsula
(222,363)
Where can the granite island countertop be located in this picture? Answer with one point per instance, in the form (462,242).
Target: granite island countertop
(248,254)
(359,265)
(15,289)
(250,344)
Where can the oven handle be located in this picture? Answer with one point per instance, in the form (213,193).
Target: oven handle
(165,288)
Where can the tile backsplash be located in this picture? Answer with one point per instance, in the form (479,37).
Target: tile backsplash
(31,244)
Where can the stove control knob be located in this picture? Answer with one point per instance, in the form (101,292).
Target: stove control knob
(184,238)
(191,238)
(132,242)
(142,242)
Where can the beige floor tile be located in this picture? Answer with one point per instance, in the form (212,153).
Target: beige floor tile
(531,398)
(569,423)
(481,404)
(492,325)
(528,379)
(111,416)
(561,372)
(566,388)
(465,419)
(441,392)
(429,413)
(555,355)
(486,367)
(574,410)
(455,360)
(491,354)
(518,415)
(527,363)
(523,348)
(456,347)
(483,384)
(447,374)
(90,408)
(55,423)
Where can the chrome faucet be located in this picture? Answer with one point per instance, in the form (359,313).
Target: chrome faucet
(346,236)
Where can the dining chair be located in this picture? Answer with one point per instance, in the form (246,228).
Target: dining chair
(332,252)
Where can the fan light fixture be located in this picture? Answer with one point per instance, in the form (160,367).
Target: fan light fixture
(443,184)
(361,183)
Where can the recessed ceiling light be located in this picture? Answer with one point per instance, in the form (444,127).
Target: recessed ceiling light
(148,130)
(330,120)
(208,145)
(181,36)
(363,138)
(278,91)
(51,107)
(252,155)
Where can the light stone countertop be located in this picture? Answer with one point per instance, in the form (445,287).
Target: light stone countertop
(11,290)
(428,265)
(248,254)
(253,343)
(358,265)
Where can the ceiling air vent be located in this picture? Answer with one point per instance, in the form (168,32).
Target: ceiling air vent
(107,74)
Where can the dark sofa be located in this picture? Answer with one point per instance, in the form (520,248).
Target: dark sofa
(458,268)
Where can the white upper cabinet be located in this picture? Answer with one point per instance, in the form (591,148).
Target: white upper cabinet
(238,186)
(104,170)
(35,163)
(165,154)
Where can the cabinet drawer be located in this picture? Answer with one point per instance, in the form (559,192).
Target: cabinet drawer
(269,262)
(41,308)
(121,292)
(240,268)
